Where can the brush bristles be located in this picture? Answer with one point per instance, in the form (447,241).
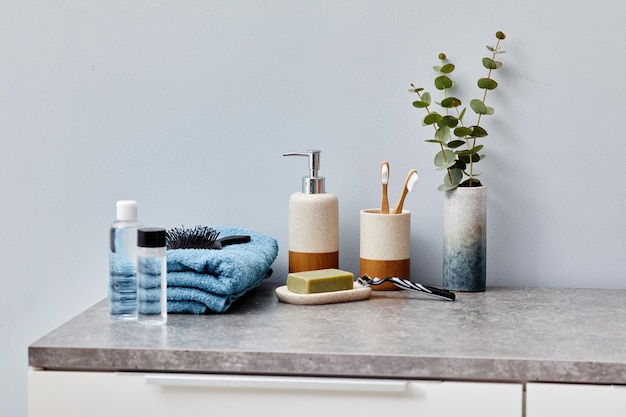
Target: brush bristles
(200,237)
(384,173)
(412,182)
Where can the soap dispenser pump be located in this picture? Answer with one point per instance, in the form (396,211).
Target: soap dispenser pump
(313,221)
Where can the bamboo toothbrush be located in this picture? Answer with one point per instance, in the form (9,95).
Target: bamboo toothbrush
(384,178)
(409,185)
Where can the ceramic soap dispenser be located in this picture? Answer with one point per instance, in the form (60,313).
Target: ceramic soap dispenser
(313,221)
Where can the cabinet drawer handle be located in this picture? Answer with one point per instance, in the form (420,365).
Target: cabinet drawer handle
(276,382)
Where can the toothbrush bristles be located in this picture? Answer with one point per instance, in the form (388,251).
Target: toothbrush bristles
(412,181)
(384,173)
(384,176)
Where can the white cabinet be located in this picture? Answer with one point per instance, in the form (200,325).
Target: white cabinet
(550,400)
(97,394)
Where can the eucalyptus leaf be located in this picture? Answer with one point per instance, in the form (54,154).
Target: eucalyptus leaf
(449,121)
(453,177)
(489,63)
(462,113)
(434,141)
(447,69)
(426,98)
(442,82)
(460,165)
(490,110)
(432,118)
(462,131)
(478,106)
(451,180)
(450,102)
(455,143)
(443,134)
(468,158)
(446,187)
(444,159)
(478,132)
(420,104)
(437,68)
(472,151)
(487,83)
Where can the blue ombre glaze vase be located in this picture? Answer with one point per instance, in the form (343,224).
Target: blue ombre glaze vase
(465,239)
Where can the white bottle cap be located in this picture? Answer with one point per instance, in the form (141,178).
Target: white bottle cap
(126,210)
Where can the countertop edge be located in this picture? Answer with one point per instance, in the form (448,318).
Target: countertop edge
(328,365)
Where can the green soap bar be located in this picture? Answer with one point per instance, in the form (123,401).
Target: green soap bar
(323,280)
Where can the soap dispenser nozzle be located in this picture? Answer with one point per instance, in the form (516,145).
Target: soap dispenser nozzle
(311,184)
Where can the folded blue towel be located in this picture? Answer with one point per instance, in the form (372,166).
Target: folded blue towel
(212,279)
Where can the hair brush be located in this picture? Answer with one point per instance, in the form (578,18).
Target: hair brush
(200,237)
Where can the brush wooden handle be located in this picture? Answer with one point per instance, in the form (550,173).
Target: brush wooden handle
(400,204)
(405,191)
(384,206)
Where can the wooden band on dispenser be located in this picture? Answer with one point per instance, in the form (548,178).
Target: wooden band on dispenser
(383,269)
(303,261)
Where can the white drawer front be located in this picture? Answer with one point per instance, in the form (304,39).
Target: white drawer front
(550,400)
(97,394)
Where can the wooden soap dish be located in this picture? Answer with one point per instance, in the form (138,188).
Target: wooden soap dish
(358,293)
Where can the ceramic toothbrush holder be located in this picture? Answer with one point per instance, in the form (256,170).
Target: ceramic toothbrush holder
(385,245)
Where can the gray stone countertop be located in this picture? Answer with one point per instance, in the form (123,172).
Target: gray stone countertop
(503,334)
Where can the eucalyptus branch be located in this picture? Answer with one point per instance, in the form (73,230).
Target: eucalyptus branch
(424,102)
(458,163)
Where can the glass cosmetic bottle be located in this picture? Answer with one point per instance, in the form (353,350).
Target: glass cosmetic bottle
(122,262)
(151,276)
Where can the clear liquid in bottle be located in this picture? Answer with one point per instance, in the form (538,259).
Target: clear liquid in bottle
(122,262)
(151,276)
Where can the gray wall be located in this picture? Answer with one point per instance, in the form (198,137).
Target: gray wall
(187,106)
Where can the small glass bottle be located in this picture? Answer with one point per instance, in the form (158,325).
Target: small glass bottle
(151,276)
(122,262)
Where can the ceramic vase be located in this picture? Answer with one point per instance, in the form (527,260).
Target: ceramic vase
(465,239)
